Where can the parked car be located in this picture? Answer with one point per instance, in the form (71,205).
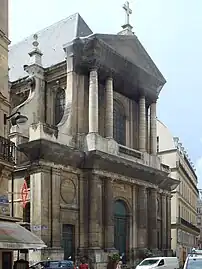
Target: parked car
(64,264)
(194,260)
(159,262)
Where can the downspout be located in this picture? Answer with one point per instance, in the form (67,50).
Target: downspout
(51,207)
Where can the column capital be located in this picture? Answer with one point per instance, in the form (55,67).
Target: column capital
(153,190)
(109,78)
(95,65)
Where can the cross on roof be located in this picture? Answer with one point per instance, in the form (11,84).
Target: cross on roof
(126,7)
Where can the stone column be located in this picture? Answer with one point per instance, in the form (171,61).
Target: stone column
(93,101)
(142,218)
(95,211)
(153,219)
(168,222)
(109,215)
(164,220)
(153,134)
(109,108)
(142,124)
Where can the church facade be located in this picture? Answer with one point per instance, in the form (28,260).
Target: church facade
(88,149)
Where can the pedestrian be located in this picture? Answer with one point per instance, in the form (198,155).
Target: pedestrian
(83,265)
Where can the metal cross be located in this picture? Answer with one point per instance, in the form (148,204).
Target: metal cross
(126,7)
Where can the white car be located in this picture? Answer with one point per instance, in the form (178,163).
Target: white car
(193,261)
(159,263)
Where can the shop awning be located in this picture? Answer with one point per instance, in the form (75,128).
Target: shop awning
(13,236)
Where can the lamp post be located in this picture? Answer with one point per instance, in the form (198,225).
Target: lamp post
(15,118)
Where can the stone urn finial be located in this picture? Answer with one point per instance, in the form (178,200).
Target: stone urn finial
(35,43)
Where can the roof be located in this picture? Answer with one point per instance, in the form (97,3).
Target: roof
(51,41)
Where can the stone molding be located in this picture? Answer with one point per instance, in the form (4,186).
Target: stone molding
(121,178)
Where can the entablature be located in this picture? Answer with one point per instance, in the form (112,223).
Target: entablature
(130,79)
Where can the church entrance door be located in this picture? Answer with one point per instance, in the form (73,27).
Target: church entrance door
(121,227)
(68,242)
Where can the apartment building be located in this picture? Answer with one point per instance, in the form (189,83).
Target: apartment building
(184,232)
(199,217)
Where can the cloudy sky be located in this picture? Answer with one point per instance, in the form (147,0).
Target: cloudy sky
(170,30)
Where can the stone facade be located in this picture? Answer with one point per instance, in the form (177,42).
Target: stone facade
(6,147)
(95,178)
(184,230)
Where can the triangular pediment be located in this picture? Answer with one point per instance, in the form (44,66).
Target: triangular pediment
(131,48)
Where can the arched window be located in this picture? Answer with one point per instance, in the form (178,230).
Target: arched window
(119,124)
(59,105)
(121,228)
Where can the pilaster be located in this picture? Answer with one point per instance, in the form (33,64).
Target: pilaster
(109,215)
(40,197)
(109,108)
(142,124)
(55,180)
(84,211)
(164,220)
(142,217)
(93,101)
(168,198)
(95,211)
(152,211)
(153,131)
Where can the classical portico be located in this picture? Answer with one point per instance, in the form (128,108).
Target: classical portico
(96,180)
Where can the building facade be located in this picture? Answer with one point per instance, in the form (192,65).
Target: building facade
(199,218)
(96,183)
(184,231)
(12,236)
(6,147)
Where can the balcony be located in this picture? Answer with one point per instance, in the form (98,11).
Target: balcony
(189,225)
(7,150)
(181,221)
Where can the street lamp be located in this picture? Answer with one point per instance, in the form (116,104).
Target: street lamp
(16,118)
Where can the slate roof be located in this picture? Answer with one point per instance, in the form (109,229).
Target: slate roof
(51,41)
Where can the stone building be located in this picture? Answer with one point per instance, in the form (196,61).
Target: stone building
(184,230)
(12,235)
(96,183)
(199,218)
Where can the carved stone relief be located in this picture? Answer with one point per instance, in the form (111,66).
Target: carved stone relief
(68,191)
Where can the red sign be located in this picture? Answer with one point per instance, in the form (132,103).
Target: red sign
(24,193)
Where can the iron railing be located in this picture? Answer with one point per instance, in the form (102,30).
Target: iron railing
(7,150)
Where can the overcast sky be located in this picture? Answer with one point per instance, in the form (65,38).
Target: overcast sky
(171,32)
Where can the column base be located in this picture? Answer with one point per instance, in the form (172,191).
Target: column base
(94,141)
(95,256)
(45,254)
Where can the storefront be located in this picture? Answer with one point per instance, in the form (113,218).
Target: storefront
(15,237)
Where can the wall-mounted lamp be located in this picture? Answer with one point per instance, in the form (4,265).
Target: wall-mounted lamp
(15,118)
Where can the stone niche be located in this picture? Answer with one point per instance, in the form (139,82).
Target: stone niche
(69,189)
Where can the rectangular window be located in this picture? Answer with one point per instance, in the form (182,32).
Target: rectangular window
(157,143)
(68,236)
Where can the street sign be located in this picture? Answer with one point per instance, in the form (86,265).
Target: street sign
(4,200)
